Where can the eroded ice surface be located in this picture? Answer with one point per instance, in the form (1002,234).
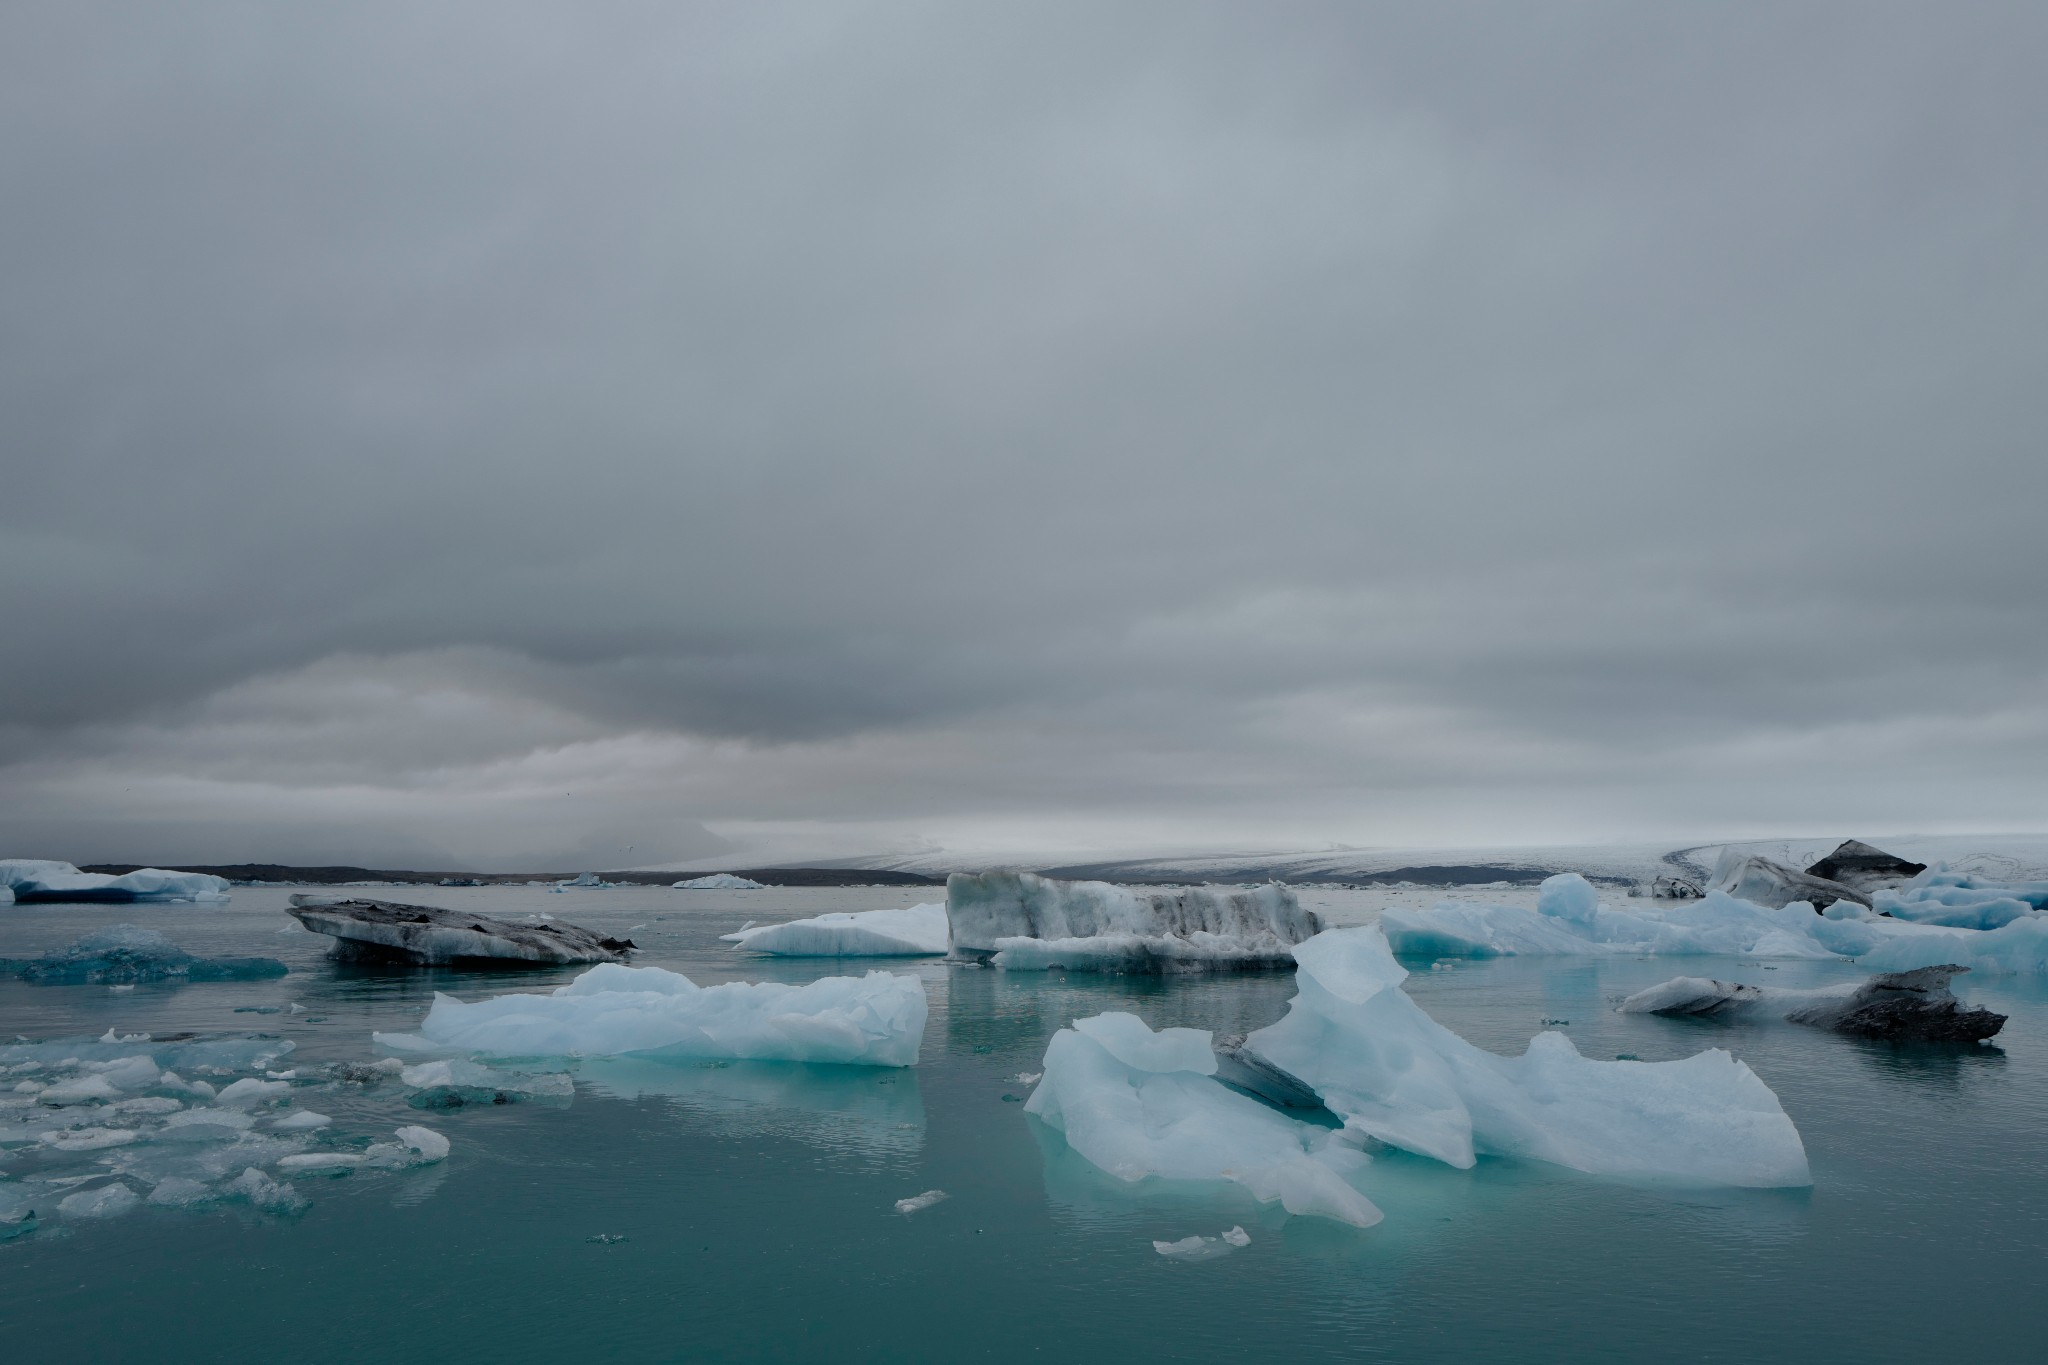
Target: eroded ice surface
(1394,1074)
(919,931)
(610,1010)
(38,879)
(128,952)
(1140,1104)
(1023,921)
(1961,900)
(432,936)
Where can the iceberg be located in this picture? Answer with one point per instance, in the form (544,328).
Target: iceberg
(2020,946)
(919,931)
(610,1010)
(128,952)
(1867,869)
(719,881)
(1760,881)
(1957,900)
(1896,1006)
(587,880)
(1140,1104)
(424,935)
(1570,921)
(1393,1074)
(1022,921)
(35,880)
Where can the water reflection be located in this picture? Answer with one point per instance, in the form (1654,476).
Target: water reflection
(871,1112)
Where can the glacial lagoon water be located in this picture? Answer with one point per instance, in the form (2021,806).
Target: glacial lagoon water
(746,1211)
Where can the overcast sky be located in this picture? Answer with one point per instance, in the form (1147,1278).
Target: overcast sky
(506,435)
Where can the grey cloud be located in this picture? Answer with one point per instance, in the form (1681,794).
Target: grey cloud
(978,413)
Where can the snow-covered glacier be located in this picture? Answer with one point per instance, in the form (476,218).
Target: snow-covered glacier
(919,931)
(1392,1073)
(1137,1103)
(1023,921)
(612,1010)
(31,880)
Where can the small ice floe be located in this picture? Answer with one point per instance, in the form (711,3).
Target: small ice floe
(919,931)
(1915,1006)
(108,1201)
(319,1163)
(303,1121)
(1021,921)
(254,1187)
(452,1084)
(1027,1077)
(1199,1248)
(605,1239)
(426,935)
(919,1202)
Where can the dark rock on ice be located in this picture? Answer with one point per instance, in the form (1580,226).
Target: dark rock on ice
(1675,889)
(382,931)
(1242,1069)
(1915,1006)
(1866,868)
(128,952)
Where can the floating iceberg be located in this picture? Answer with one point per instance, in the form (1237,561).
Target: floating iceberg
(1570,921)
(919,931)
(1019,920)
(2018,947)
(1958,900)
(428,936)
(1392,1073)
(875,1020)
(1916,1005)
(128,952)
(1867,869)
(1137,1103)
(1760,881)
(587,881)
(721,881)
(35,880)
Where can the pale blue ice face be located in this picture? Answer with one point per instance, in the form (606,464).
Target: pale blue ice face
(748,1211)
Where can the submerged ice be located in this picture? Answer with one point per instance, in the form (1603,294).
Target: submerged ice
(128,952)
(610,1010)
(919,931)
(1022,921)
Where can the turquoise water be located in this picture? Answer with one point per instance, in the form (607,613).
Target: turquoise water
(755,1202)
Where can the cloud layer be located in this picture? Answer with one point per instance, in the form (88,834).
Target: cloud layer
(1041,426)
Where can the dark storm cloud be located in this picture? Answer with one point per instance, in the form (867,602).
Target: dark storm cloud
(1348,421)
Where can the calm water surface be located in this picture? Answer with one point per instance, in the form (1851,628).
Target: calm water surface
(756,1201)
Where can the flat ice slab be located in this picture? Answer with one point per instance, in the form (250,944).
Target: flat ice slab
(919,931)
(1390,1072)
(430,936)
(872,1020)
(32,880)
(1020,920)
(718,881)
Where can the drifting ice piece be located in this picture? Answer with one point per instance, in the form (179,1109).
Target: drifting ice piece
(720,881)
(128,952)
(1393,1073)
(428,936)
(1019,920)
(1763,882)
(34,880)
(452,1084)
(1138,1103)
(919,931)
(876,1020)
(1916,1005)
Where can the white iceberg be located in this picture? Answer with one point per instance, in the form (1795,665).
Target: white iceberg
(33,880)
(1392,1073)
(718,881)
(919,931)
(1137,1104)
(875,1020)
(2020,946)
(1023,921)
(1761,881)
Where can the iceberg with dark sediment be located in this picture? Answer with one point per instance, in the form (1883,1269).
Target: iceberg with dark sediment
(1915,1006)
(872,1020)
(1760,881)
(36,881)
(425,935)
(1140,1104)
(919,931)
(128,952)
(1391,1073)
(1023,921)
